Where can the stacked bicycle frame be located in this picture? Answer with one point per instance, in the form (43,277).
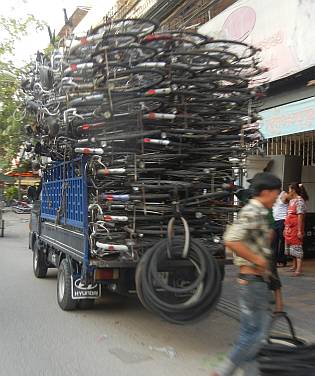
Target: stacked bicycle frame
(165,120)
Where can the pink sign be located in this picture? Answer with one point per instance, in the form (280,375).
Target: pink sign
(283,30)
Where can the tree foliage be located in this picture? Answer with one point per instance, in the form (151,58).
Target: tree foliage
(11,193)
(11,125)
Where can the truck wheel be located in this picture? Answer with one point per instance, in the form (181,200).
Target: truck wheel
(39,262)
(139,271)
(64,297)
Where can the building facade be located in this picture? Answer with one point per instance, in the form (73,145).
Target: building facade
(284,30)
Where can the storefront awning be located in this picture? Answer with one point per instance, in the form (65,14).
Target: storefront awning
(28,181)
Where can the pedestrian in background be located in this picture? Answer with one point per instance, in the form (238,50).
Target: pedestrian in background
(249,239)
(274,279)
(294,226)
(280,210)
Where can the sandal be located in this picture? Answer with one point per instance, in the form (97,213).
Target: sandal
(296,274)
(291,269)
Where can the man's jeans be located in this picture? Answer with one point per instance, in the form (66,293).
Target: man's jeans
(255,319)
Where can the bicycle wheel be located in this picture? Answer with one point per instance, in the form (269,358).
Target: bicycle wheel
(85,45)
(196,58)
(122,135)
(198,108)
(223,80)
(191,37)
(110,40)
(90,100)
(227,57)
(195,83)
(123,56)
(131,80)
(77,68)
(137,105)
(167,42)
(160,157)
(171,118)
(163,185)
(241,49)
(172,71)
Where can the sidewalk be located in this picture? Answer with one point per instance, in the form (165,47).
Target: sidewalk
(298,294)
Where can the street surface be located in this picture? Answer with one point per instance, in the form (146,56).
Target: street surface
(298,296)
(118,337)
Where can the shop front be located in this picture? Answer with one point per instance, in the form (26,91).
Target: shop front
(289,131)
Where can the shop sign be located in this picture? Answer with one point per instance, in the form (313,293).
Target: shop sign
(289,118)
(283,29)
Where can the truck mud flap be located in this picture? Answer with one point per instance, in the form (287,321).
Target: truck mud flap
(78,291)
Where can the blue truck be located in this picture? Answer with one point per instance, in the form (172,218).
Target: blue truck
(60,237)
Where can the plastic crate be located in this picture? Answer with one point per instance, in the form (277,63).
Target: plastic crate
(64,197)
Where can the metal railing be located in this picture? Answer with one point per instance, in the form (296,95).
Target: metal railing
(301,144)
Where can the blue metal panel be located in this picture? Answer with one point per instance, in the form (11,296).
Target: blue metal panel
(85,217)
(62,191)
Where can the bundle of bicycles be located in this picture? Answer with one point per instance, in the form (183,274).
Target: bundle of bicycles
(166,118)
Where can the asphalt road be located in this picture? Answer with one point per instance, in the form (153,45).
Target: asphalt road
(118,337)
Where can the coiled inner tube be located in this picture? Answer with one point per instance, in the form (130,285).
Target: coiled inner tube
(287,355)
(173,301)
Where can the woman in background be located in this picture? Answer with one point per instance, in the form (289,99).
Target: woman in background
(294,226)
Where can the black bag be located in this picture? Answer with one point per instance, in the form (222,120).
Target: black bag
(286,355)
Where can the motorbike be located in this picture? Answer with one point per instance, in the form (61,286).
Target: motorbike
(21,207)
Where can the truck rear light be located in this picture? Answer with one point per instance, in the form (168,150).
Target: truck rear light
(106,274)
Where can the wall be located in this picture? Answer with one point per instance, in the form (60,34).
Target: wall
(256,164)
(308,179)
(95,15)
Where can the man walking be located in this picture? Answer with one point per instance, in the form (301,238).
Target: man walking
(249,238)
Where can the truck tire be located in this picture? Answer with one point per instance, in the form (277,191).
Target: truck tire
(64,297)
(39,262)
(139,271)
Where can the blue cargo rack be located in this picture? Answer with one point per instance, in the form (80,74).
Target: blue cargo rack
(64,193)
